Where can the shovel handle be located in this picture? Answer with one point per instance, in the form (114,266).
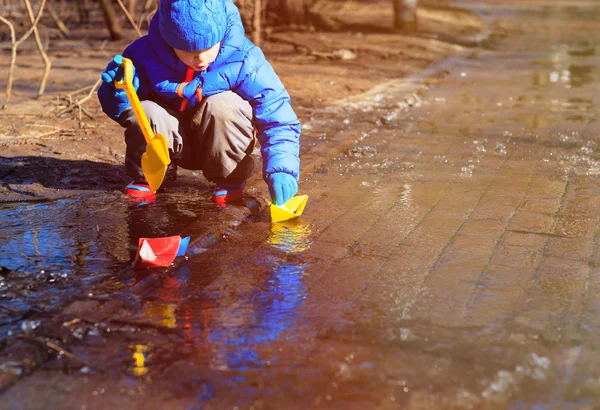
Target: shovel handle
(127,84)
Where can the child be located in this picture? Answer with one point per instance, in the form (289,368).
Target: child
(207,89)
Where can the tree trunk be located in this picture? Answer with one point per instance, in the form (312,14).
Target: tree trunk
(110,17)
(291,11)
(256,22)
(405,15)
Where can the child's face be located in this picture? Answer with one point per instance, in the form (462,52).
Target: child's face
(199,60)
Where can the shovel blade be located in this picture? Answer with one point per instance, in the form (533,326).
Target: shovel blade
(155,161)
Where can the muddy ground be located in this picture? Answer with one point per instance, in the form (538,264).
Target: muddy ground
(50,147)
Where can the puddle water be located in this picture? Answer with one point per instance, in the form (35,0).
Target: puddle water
(272,287)
(69,244)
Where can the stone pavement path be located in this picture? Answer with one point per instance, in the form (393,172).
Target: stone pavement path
(469,230)
(448,260)
(453,251)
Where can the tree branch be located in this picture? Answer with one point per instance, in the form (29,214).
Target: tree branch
(15,44)
(13,58)
(59,23)
(40,46)
(59,350)
(131,21)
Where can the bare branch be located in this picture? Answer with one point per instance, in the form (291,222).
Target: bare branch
(148,11)
(131,21)
(33,25)
(38,41)
(77,104)
(59,23)
(92,91)
(13,58)
(59,349)
(15,45)
(111,19)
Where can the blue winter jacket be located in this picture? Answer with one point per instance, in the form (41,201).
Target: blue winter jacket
(240,66)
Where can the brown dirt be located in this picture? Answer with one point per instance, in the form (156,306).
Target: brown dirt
(43,153)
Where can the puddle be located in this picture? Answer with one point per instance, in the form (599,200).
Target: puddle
(62,247)
(234,328)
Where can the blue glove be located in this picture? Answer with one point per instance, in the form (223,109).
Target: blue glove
(189,90)
(114,100)
(282,187)
(114,70)
(192,92)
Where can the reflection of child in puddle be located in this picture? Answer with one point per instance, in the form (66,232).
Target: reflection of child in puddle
(227,325)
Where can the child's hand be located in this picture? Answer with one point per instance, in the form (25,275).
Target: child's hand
(192,92)
(191,88)
(282,187)
(114,71)
(114,100)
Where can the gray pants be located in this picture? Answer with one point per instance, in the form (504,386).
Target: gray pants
(217,138)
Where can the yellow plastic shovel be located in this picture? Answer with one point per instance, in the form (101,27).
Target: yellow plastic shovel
(291,209)
(156,158)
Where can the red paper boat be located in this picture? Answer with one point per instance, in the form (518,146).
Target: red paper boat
(160,252)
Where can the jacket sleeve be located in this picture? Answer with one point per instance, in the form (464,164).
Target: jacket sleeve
(278,126)
(185,94)
(159,77)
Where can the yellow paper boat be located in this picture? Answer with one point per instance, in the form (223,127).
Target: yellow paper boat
(291,209)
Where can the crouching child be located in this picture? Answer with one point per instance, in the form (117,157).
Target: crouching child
(211,92)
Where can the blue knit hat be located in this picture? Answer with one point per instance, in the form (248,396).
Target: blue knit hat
(192,24)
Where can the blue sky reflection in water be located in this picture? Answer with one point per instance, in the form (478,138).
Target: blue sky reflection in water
(59,236)
(228,317)
(271,309)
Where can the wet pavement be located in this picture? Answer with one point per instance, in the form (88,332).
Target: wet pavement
(446,260)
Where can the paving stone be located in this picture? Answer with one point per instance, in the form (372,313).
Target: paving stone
(532,222)
(554,300)
(344,280)
(579,248)
(483,228)
(542,206)
(575,225)
(473,245)
(529,240)
(516,256)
